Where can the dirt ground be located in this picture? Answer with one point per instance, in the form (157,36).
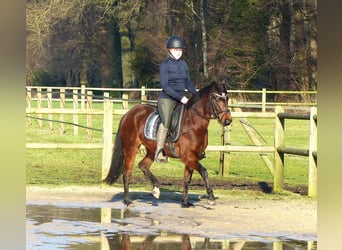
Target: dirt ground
(259,215)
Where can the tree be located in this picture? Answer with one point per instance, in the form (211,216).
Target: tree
(252,43)
(292,40)
(237,41)
(61,37)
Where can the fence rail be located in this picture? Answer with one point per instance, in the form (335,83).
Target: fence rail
(262,99)
(278,149)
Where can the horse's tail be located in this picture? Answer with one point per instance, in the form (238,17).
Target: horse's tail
(117,163)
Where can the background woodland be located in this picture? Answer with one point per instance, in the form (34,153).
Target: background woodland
(252,44)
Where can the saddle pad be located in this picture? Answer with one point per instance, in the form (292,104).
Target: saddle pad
(153,121)
(151,126)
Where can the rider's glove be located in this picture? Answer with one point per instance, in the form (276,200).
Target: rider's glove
(184,100)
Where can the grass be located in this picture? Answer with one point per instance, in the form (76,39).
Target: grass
(83,167)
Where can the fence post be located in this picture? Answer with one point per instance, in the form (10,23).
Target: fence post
(312,187)
(277,245)
(89,117)
(143,94)
(29,101)
(225,156)
(39,106)
(83,90)
(278,178)
(75,106)
(125,101)
(263,100)
(107,134)
(62,106)
(49,103)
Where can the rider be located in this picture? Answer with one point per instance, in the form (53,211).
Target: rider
(174,80)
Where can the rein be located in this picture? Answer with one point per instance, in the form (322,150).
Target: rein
(213,107)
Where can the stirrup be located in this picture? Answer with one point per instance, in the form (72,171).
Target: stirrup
(163,157)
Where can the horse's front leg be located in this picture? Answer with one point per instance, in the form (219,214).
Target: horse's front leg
(187,180)
(204,173)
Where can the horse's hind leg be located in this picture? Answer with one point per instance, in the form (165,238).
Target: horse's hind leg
(127,172)
(127,175)
(145,165)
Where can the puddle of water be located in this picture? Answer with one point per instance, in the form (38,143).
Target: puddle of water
(62,227)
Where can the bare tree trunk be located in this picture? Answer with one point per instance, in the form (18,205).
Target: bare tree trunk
(104,41)
(313,68)
(204,35)
(84,73)
(69,78)
(126,57)
(127,13)
(286,39)
(310,7)
(84,67)
(204,41)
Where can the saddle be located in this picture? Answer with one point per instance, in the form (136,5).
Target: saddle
(153,121)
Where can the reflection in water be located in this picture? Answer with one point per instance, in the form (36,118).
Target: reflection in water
(124,242)
(58,227)
(184,242)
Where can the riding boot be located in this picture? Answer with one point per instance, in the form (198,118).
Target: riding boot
(160,155)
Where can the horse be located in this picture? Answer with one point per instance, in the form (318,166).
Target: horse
(211,101)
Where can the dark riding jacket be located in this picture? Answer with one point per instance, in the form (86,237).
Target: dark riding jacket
(175,79)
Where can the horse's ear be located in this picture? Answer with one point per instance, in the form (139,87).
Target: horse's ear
(225,80)
(213,84)
(225,83)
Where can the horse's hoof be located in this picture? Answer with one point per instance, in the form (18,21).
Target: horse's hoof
(187,204)
(156,192)
(211,202)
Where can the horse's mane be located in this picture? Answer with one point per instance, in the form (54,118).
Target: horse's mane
(199,94)
(206,90)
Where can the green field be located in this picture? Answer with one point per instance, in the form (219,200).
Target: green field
(83,166)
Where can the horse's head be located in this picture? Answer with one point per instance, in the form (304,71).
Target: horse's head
(219,103)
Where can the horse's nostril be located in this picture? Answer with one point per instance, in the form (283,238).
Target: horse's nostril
(227,122)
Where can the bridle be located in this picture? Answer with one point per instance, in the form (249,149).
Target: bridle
(213,105)
(214,110)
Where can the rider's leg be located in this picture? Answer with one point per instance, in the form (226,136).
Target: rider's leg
(160,155)
(165,109)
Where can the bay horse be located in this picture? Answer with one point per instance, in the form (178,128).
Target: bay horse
(211,101)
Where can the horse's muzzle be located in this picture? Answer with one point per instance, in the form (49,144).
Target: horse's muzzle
(226,118)
(227,122)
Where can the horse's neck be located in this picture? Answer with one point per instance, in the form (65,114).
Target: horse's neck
(200,111)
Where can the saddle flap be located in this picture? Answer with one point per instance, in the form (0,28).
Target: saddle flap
(176,123)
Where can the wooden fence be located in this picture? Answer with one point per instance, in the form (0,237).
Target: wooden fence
(259,99)
(281,149)
(278,149)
